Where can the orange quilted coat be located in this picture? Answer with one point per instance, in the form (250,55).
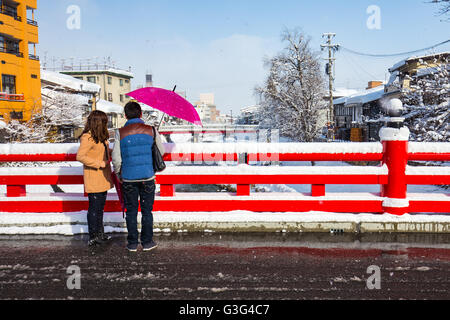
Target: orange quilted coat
(93,156)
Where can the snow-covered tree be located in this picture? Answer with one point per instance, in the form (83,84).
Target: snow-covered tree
(427,102)
(59,110)
(292,97)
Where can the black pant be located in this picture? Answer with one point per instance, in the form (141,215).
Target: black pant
(95,213)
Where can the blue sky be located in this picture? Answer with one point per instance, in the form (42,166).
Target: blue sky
(219,46)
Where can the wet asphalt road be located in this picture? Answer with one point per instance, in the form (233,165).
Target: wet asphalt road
(228,266)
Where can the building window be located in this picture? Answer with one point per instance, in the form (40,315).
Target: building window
(91,79)
(109,80)
(9,45)
(16,115)
(110,97)
(8,84)
(79,78)
(127,81)
(121,82)
(121,98)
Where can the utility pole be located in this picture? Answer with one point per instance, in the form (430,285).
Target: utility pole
(332,48)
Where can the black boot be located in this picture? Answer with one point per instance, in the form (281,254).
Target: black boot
(94,242)
(102,236)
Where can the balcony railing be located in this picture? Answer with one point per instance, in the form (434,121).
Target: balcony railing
(11,51)
(32,22)
(11,97)
(10,12)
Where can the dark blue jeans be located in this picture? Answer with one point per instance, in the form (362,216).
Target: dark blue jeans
(132,191)
(95,213)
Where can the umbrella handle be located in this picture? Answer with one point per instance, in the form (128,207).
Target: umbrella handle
(162,118)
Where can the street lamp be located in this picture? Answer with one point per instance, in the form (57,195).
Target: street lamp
(395,112)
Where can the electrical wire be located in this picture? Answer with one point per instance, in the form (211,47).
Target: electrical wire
(394,54)
(359,66)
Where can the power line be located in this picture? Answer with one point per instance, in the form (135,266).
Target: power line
(357,65)
(394,54)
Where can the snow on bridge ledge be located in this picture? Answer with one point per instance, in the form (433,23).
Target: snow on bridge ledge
(293,148)
(240,147)
(429,147)
(242,169)
(41,148)
(226,148)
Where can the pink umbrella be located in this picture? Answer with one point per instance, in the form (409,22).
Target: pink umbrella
(168,102)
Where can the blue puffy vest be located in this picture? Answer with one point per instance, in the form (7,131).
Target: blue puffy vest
(136,141)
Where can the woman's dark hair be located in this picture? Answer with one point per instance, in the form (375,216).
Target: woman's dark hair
(133,110)
(97,126)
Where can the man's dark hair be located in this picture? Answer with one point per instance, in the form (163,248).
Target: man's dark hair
(133,110)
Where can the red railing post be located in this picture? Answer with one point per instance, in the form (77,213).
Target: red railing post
(16,191)
(317,190)
(166,190)
(243,190)
(394,138)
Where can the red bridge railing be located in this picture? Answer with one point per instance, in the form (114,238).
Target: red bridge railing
(392,175)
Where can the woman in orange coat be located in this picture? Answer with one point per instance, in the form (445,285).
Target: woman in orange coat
(94,154)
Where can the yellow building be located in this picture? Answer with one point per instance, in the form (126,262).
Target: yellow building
(20,83)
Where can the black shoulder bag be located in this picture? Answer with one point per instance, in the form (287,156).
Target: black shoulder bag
(158,161)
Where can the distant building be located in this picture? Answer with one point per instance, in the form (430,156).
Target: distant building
(356,115)
(225,119)
(324,114)
(86,94)
(402,71)
(206,108)
(20,87)
(115,83)
(250,115)
(148,80)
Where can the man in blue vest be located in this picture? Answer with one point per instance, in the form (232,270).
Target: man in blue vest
(133,163)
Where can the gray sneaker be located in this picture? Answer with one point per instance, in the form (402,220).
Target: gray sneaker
(149,246)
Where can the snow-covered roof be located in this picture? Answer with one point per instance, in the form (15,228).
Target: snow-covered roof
(362,97)
(123,73)
(431,70)
(250,109)
(102,105)
(343,92)
(109,107)
(69,82)
(401,63)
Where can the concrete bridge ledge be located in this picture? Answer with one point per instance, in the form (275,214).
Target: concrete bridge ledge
(344,223)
